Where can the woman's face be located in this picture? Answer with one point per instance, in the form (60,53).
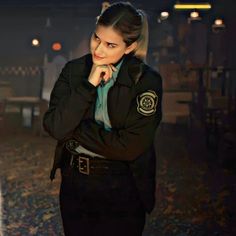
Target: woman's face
(107,46)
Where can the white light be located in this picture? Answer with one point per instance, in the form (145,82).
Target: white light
(35,43)
(164,15)
(194,14)
(218,25)
(218,22)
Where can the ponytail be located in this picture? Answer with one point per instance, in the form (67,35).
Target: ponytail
(142,47)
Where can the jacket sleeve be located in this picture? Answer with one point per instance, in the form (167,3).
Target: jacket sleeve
(122,144)
(67,104)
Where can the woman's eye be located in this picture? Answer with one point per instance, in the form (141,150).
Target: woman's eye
(111,45)
(96,37)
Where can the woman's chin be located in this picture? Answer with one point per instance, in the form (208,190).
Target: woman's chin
(99,62)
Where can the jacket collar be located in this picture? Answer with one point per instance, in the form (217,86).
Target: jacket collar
(130,71)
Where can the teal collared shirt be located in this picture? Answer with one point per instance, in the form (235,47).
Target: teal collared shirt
(101,113)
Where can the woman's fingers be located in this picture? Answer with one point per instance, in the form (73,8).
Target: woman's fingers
(106,72)
(110,71)
(100,73)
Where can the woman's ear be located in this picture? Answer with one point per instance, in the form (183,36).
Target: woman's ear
(131,47)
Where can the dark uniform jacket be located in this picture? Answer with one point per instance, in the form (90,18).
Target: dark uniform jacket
(134,109)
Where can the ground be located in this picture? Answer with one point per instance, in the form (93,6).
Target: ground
(194,194)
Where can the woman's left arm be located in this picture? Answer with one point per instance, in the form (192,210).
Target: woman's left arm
(137,135)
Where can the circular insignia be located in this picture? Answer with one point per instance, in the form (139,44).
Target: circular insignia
(147,103)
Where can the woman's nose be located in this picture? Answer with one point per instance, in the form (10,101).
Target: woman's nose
(99,50)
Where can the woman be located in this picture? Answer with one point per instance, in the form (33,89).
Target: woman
(104,110)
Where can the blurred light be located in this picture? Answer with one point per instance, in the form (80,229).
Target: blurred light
(183,6)
(194,14)
(164,15)
(218,22)
(56,46)
(35,42)
(218,25)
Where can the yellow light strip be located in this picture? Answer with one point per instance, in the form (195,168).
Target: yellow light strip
(182,6)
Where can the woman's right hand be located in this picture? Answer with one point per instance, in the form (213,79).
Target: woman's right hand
(99,73)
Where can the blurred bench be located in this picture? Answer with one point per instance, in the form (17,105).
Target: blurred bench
(6,90)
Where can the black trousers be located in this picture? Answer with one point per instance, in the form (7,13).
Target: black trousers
(100,205)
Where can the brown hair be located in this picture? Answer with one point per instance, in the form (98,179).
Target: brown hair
(130,22)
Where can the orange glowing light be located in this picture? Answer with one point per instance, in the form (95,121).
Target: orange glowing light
(56,46)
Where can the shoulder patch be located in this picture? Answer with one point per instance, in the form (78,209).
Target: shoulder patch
(147,103)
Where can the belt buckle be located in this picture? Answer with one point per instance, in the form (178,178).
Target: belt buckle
(83,165)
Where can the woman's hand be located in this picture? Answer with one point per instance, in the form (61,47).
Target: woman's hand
(99,73)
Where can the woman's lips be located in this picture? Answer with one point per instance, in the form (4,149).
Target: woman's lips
(97,57)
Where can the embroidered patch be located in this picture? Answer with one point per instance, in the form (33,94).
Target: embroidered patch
(147,103)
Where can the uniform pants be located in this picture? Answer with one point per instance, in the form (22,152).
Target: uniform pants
(100,205)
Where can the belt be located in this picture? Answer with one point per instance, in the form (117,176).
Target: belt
(89,165)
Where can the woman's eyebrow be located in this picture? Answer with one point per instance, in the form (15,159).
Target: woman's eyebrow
(106,42)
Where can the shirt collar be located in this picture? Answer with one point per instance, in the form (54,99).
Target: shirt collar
(117,66)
